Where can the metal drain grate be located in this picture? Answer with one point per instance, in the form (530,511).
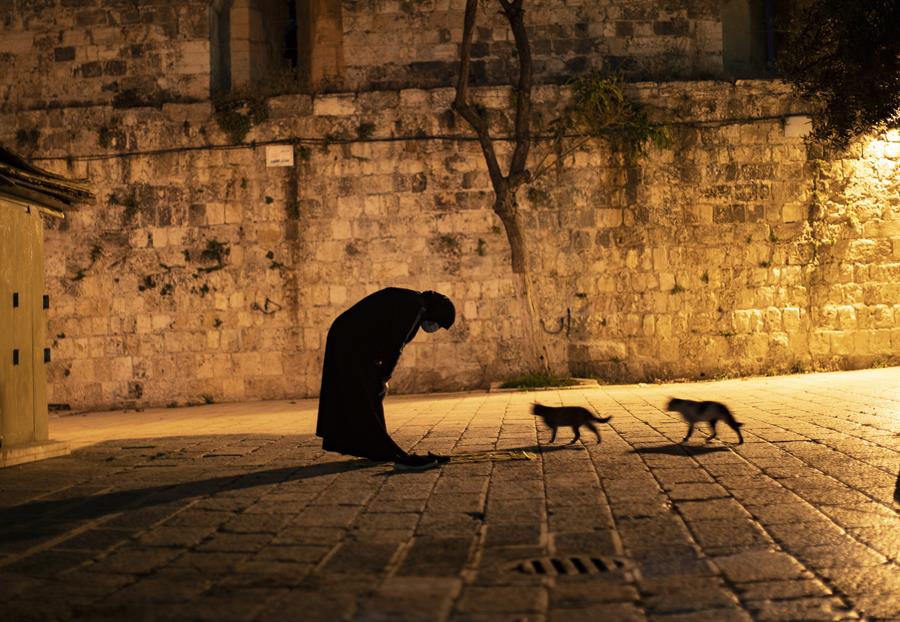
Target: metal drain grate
(568,566)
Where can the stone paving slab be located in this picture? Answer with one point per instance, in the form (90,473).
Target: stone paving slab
(233,512)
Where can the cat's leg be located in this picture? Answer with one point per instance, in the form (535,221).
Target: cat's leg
(689,432)
(712,426)
(737,430)
(594,429)
(577,430)
(553,433)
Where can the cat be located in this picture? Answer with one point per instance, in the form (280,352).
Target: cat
(711,412)
(572,416)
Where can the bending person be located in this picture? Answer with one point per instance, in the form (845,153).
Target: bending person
(363,347)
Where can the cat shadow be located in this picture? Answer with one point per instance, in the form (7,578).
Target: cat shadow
(676,449)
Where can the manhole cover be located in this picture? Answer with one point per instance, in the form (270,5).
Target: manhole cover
(573,565)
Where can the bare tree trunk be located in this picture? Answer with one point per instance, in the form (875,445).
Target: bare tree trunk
(506,186)
(506,209)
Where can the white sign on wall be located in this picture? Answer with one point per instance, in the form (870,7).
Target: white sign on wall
(279,155)
(797,126)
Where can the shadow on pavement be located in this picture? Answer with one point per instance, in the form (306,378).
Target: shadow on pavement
(42,519)
(679,450)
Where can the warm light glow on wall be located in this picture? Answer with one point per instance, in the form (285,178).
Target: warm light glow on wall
(886,148)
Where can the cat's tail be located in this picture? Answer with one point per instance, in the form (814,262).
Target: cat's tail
(602,419)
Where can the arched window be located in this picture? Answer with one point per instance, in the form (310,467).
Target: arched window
(276,41)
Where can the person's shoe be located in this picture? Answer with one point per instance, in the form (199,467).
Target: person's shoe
(412,462)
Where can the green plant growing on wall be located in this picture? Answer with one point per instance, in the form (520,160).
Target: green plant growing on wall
(236,113)
(600,110)
(135,98)
(27,139)
(215,251)
(447,244)
(537,196)
(274,264)
(450,247)
(127,199)
(365,130)
(148,282)
(109,136)
(337,136)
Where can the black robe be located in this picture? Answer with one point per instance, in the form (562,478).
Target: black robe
(362,349)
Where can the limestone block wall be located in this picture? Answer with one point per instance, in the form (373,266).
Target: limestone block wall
(199,274)
(392,44)
(80,52)
(89,51)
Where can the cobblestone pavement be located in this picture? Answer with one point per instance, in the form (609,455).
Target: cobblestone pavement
(233,512)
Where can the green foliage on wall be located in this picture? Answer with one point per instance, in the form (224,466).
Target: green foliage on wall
(846,57)
(600,108)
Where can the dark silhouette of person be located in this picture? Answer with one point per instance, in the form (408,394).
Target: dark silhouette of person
(363,346)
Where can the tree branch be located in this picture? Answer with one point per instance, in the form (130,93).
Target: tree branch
(462,106)
(516,17)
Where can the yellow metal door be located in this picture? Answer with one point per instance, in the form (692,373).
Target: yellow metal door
(17,256)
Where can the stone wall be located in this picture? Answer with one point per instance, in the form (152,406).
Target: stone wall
(80,52)
(394,44)
(77,52)
(199,274)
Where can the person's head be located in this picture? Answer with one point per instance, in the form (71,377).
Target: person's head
(439,312)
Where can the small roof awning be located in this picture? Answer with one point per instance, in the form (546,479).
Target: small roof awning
(53,193)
